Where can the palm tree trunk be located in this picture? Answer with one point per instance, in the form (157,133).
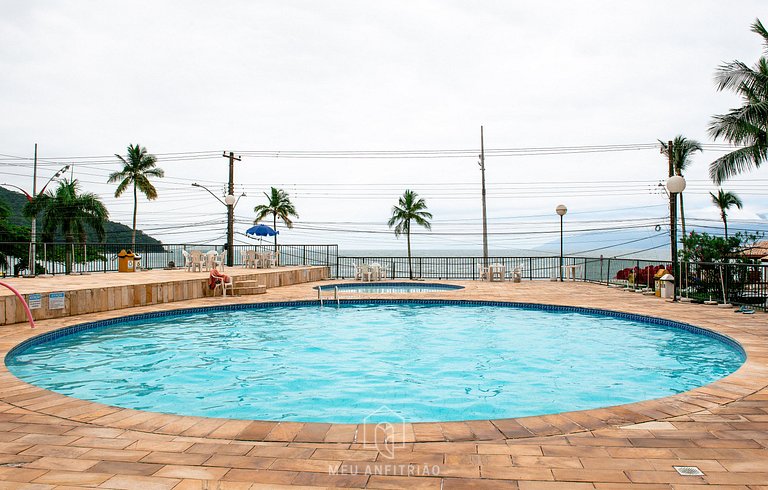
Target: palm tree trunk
(682,214)
(69,239)
(725,225)
(135,206)
(410,266)
(274,227)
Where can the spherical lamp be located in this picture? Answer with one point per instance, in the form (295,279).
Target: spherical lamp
(561,210)
(229,200)
(676,184)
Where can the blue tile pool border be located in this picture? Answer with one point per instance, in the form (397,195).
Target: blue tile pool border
(74,329)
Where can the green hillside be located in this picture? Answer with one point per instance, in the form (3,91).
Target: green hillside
(116,233)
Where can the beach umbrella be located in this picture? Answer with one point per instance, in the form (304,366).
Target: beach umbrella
(261,230)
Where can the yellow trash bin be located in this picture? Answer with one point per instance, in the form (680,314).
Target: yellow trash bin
(657,281)
(126,262)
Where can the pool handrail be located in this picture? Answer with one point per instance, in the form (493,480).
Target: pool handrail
(23,303)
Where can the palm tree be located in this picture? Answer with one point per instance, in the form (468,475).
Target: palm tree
(410,207)
(724,201)
(138,167)
(744,126)
(279,205)
(68,211)
(682,150)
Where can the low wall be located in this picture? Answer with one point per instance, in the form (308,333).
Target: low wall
(103,297)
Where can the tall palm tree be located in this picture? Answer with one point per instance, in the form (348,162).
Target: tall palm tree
(744,126)
(279,205)
(68,211)
(682,150)
(138,167)
(410,207)
(724,201)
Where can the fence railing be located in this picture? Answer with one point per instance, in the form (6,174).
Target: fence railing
(57,258)
(736,283)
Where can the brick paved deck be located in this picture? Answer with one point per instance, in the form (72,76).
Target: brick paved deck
(52,441)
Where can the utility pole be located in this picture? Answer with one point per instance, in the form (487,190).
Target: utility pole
(230,202)
(33,224)
(673,223)
(485,221)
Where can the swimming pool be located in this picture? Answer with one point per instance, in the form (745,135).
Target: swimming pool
(411,360)
(389,287)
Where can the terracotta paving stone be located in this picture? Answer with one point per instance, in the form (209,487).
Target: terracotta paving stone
(554,485)
(711,427)
(244,462)
(196,472)
(589,475)
(125,468)
(345,454)
(335,481)
(474,484)
(522,450)
(168,446)
(174,458)
(281,452)
(22,475)
(54,463)
(312,433)
(73,478)
(57,451)
(261,476)
(256,431)
(142,482)
(215,448)
(403,482)
(314,465)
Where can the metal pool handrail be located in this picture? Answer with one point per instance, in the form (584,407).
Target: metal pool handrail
(23,303)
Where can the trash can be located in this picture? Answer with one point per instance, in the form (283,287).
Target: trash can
(668,286)
(126,262)
(517,275)
(657,281)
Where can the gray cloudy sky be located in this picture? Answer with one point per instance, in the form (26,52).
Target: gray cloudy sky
(87,78)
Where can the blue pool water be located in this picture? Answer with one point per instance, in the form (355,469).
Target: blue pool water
(388,287)
(423,362)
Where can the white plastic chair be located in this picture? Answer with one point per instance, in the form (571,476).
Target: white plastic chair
(187,260)
(209,259)
(496,272)
(251,259)
(224,285)
(482,272)
(219,260)
(378,272)
(196,256)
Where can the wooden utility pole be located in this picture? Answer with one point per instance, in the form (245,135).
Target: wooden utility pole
(485,221)
(229,201)
(33,225)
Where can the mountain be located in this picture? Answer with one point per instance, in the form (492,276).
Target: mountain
(116,233)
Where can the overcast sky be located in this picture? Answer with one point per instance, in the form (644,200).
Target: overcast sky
(87,78)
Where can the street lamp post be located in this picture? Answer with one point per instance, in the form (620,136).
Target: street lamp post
(33,221)
(561,210)
(675,185)
(230,201)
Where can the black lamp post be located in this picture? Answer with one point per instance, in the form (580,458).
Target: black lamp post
(561,210)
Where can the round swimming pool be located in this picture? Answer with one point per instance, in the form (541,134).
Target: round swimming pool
(389,287)
(375,361)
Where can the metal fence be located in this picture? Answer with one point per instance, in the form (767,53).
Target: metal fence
(52,258)
(735,283)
